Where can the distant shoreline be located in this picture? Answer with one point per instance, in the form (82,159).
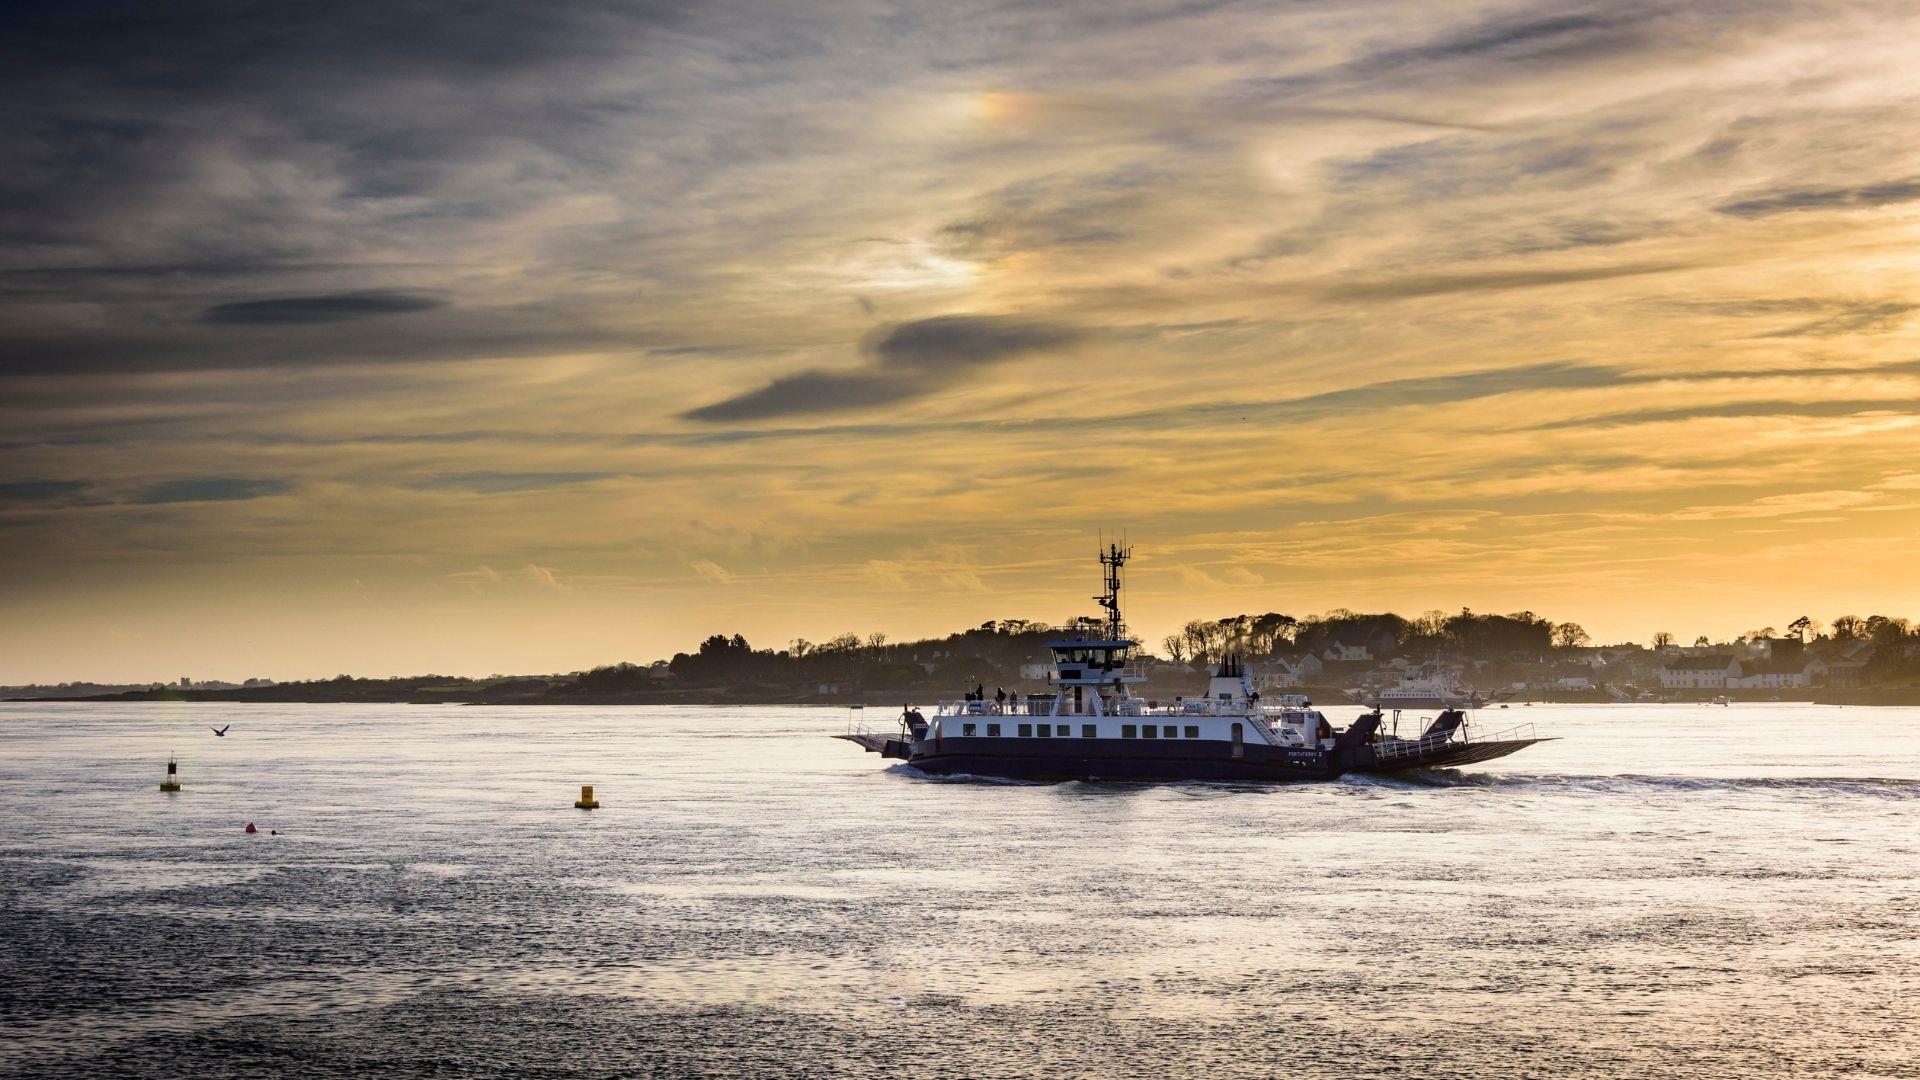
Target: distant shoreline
(324,694)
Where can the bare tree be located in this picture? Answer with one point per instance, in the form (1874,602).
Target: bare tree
(1663,640)
(1569,635)
(1176,646)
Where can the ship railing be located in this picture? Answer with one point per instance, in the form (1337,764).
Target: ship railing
(1039,706)
(1396,748)
(856,725)
(1042,706)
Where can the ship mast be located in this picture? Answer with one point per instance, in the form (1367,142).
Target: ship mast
(1112,560)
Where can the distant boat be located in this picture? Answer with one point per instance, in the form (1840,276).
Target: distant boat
(1721,700)
(1427,692)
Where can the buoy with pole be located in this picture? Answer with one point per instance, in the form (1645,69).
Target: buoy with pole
(172,782)
(587,801)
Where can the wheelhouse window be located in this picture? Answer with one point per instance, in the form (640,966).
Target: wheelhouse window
(1127,731)
(966,729)
(1026,731)
(1089,731)
(1193,731)
(993,731)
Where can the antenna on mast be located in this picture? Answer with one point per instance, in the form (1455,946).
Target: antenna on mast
(1112,559)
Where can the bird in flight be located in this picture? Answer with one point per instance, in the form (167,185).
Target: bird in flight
(220,731)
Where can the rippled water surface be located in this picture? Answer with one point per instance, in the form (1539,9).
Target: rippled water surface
(1668,890)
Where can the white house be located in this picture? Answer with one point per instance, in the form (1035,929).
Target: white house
(1698,672)
(1779,676)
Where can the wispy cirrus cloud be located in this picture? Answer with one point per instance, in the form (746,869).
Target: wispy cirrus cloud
(1791,200)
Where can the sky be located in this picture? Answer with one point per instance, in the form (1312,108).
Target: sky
(400,337)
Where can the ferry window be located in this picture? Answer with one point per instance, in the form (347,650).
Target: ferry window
(1026,731)
(993,731)
(1148,731)
(1046,730)
(1126,731)
(966,729)
(1089,731)
(1193,731)
(1172,732)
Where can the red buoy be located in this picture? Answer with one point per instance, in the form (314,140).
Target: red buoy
(250,827)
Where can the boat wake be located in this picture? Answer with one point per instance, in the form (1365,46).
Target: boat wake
(908,771)
(1880,787)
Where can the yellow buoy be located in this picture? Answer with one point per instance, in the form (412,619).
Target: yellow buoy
(172,782)
(587,801)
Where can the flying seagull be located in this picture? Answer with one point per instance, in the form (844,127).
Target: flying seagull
(220,731)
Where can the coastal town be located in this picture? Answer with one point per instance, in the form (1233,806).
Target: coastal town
(1437,659)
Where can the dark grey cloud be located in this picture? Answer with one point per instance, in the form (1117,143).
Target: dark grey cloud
(209,489)
(1526,38)
(332,307)
(1551,35)
(1490,281)
(907,360)
(1366,398)
(949,341)
(813,392)
(32,492)
(310,337)
(1788,200)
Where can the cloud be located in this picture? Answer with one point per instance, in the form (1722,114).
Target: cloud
(1417,285)
(906,361)
(948,341)
(1789,200)
(1785,505)
(497,482)
(209,489)
(29,492)
(812,392)
(334,307)
(1522,39)
(1736,410)
(1860,319)
(708,570)
(483,576)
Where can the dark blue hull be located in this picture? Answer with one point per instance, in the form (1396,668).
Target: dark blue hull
(1132,760)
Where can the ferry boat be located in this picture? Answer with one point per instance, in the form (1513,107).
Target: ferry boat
(1429,692)
(1091,725)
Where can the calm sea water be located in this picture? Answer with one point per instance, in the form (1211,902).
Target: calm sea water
(1669,890)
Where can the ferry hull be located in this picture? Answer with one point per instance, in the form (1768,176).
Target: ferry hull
(1129,760)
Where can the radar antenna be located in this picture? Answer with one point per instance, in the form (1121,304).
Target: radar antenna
(1112,560)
